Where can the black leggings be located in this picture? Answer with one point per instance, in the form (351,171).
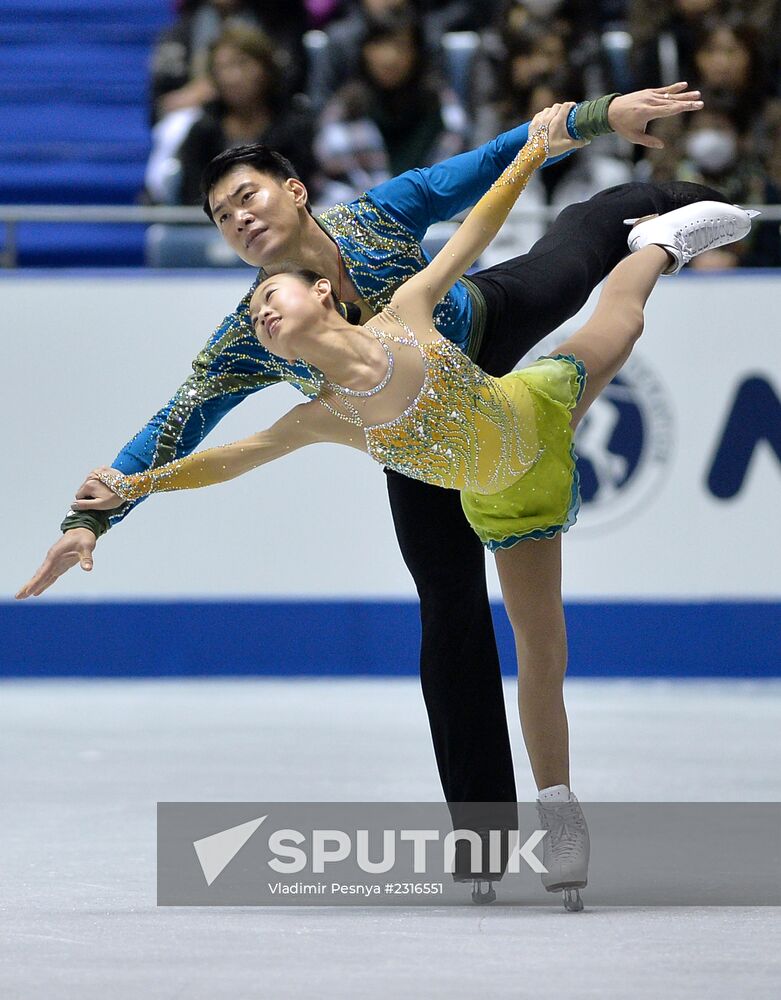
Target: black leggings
(527,298)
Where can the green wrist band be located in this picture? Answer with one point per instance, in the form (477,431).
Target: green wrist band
(591,117)
(97,521)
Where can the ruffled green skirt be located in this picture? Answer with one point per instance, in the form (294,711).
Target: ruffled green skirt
(545,500)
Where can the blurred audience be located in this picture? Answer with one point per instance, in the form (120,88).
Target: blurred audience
(542,37)
(338,61)
(385,92)
(250,105)
(666,36)
(394,114)
(179,60)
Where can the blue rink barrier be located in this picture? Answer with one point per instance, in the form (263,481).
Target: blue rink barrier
(352,638)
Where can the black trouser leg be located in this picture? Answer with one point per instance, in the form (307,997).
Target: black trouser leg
(530,296)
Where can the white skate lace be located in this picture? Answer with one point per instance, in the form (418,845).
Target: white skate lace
(565,824)
(697,238)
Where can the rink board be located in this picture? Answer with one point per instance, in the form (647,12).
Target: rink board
(369,638)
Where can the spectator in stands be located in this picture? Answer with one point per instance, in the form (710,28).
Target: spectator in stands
(666,36)
(393,116)
(728,63)
(731,68)
(250,106)
(179,61)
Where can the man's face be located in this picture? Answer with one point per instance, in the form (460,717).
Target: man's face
(257,215)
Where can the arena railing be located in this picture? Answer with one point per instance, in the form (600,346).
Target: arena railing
(192,217)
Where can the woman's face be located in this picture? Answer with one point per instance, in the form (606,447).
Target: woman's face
(285,313)
(390,61)
(724,61)
(241,80)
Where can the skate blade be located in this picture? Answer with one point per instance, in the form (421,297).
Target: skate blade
(483,893)
(572,901)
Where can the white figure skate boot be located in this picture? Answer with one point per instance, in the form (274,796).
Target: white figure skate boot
(565,849)
(691,230)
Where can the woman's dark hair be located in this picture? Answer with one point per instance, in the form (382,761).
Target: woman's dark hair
(262,158)
(349,310)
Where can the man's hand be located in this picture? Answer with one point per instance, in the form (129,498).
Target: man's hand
(630,114)
(75,546)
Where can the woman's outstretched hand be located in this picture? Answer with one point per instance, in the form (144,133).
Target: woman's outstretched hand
(94,494)
(559,139)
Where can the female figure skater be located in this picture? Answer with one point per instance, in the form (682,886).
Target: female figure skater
(399,391)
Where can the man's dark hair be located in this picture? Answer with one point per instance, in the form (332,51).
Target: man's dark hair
(262,158)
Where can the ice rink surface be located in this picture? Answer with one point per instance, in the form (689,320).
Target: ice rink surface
(83,764)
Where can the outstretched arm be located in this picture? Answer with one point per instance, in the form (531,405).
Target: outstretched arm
(231,366)
(305,424)
(548,134)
